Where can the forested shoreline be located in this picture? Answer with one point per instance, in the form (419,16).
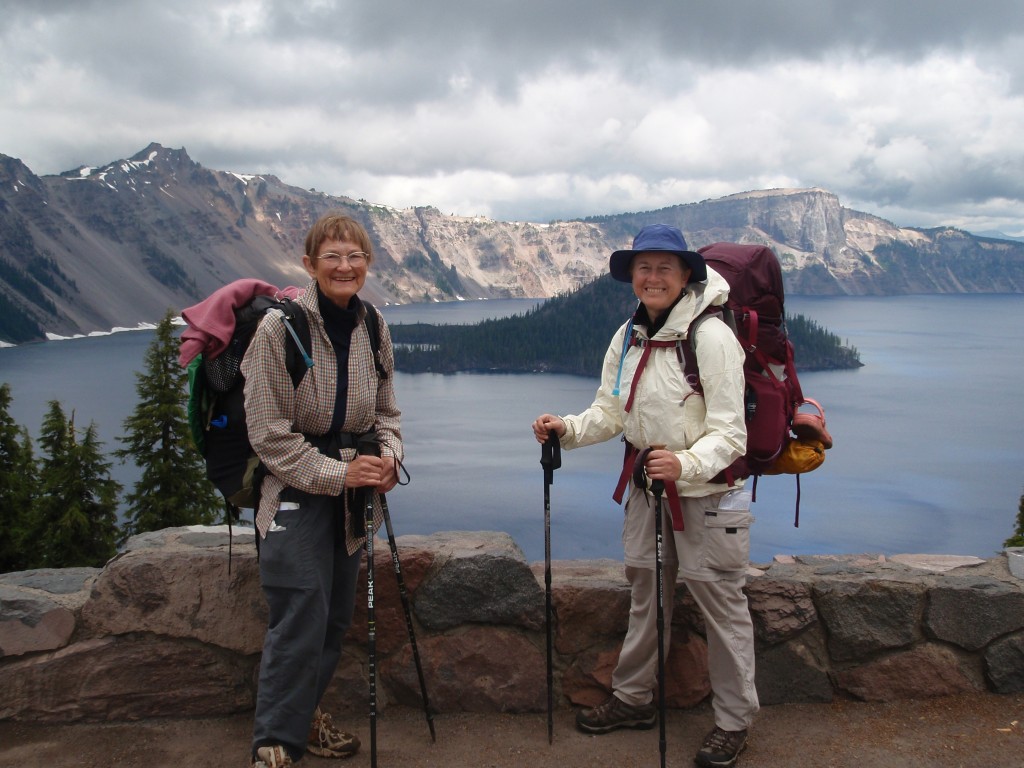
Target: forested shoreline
(569,334)
(59,507)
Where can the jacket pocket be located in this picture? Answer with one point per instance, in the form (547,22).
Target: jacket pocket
(727,539)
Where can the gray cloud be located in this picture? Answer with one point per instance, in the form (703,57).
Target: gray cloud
(527,110)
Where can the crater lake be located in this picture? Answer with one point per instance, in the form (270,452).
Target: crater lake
(928,454)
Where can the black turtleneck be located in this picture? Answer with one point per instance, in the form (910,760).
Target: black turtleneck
(339,322)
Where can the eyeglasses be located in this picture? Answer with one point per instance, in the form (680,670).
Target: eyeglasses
(354,259)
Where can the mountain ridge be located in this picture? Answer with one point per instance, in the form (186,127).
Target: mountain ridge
(103,246)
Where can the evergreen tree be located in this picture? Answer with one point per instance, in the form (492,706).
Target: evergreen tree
(75,512)
(1017,540)
(54,475)
(97,494)
(173,489)
(17,486)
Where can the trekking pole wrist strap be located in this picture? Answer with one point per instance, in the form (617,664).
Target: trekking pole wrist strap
(633,468)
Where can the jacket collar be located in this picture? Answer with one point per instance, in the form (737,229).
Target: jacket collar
(698,297)
(310,301)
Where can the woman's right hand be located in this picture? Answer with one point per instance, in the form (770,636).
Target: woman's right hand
(545,424)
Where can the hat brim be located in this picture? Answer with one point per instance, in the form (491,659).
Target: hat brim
(619,263)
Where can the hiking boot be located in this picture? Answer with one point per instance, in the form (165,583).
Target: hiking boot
(271,757)
(327,741)
(615,713)
(721,748)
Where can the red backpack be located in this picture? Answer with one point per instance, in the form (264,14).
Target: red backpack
(773,395)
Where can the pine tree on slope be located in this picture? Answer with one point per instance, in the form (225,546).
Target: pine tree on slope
(173,489)
(17,487)
(74,520)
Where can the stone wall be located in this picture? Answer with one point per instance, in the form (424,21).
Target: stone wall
(174,627)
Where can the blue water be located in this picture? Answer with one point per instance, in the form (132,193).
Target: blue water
(928,456)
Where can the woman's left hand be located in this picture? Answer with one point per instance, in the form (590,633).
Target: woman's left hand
(366,471)
(663,465)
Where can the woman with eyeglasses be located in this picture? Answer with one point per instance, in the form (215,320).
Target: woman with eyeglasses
(311,515)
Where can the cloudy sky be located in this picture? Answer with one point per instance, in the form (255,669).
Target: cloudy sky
(540,109)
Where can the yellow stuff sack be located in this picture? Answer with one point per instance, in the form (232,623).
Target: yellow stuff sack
(798,457)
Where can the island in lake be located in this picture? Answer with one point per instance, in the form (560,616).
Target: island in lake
(569,334)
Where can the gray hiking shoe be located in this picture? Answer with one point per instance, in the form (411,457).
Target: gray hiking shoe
(271,757)
(615,713)
(721,748)
(327,741)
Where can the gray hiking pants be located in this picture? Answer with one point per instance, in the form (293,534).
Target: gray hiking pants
(309,582)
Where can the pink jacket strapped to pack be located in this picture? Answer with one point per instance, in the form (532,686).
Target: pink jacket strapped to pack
(211,322)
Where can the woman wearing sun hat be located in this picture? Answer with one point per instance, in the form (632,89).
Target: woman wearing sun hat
(687,440)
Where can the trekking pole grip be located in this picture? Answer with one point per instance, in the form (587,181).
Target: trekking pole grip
(551,456)
(657,486)
(368,445)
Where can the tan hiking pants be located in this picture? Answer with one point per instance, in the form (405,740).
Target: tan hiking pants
(719,593)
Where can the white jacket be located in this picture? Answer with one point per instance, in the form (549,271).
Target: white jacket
(707,433)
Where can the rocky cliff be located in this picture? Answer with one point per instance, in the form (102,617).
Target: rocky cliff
(96,248)
(166,629)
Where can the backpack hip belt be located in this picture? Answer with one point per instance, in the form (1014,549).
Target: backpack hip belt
(337,441)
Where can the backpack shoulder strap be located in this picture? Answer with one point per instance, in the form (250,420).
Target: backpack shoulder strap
(297,341)
(688,349)
(197,402)
(373,329)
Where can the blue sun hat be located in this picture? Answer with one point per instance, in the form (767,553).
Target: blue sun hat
(658,237)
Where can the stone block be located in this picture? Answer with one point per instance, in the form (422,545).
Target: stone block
(937,563)
(780,608)
(183,589)
(53,581)
(590,602)
(972,611)
(793,673)
(477,577)
(1004,664)
(39,608)
(588,680)
(865,617)
(480,669)
(122,678)
(921,672)
(31,622)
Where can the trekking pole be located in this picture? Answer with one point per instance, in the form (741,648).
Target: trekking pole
(550,459)
(657,488)
(408,617)
(371,448)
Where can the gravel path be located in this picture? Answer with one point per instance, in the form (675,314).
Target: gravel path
(971,730)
